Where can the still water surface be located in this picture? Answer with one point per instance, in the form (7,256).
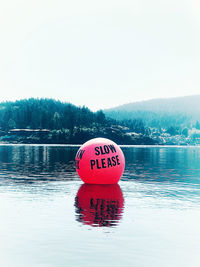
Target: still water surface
(49,218)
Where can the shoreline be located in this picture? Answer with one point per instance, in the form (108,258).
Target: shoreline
(78,145)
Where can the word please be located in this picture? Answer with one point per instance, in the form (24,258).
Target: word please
(104,163)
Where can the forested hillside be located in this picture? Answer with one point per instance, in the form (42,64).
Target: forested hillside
(169,121)
(51,121)
(161,113)
(46,114)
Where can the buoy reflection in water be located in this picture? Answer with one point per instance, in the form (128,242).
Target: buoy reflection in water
(99,205)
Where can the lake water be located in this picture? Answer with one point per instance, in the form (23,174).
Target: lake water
(49,218)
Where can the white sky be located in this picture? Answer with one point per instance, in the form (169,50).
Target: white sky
(99,53)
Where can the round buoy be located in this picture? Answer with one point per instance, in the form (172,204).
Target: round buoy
(99,205)
(100,161)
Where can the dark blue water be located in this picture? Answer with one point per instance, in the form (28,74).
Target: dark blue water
(48,218)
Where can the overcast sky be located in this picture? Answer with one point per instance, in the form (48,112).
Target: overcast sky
(99,53)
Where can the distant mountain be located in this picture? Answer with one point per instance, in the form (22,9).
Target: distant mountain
(179,111)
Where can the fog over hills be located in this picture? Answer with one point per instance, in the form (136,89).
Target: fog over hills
(171,111)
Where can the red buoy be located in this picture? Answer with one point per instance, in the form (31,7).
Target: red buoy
(100,161)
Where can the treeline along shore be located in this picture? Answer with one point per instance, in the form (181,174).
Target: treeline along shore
(48,121)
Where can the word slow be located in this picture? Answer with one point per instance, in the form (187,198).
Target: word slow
(102,150)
